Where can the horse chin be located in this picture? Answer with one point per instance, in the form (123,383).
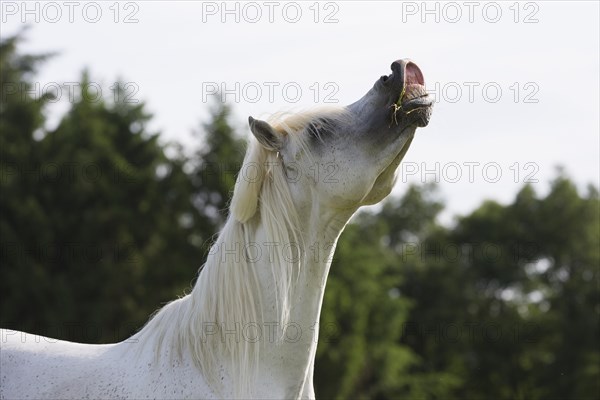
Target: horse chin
(421,116)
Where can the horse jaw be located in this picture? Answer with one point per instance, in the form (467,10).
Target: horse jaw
(387,179)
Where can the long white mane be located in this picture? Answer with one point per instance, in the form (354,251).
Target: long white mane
(226,297)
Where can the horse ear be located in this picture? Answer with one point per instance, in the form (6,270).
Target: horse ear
(265,134)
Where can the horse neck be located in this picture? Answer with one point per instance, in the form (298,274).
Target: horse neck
(319,230)
(318,237)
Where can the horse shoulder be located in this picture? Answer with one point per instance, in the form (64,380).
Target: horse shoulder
(38,367)
(35,366)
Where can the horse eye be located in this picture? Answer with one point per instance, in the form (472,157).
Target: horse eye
(314,129)
(320,129)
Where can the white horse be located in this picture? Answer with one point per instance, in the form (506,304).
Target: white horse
(249,328)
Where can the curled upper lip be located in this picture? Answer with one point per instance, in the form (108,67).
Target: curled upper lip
(407,85)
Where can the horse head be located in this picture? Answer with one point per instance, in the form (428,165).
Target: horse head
(348,157)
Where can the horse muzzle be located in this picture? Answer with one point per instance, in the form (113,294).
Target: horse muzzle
(411,102)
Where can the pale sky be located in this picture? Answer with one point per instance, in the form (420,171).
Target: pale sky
(517,84)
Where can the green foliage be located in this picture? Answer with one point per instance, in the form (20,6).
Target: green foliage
(217,163)
(508,299)
(99,227)
(369,274)
(95,200)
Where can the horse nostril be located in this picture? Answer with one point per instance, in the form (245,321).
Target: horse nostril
(398,66)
